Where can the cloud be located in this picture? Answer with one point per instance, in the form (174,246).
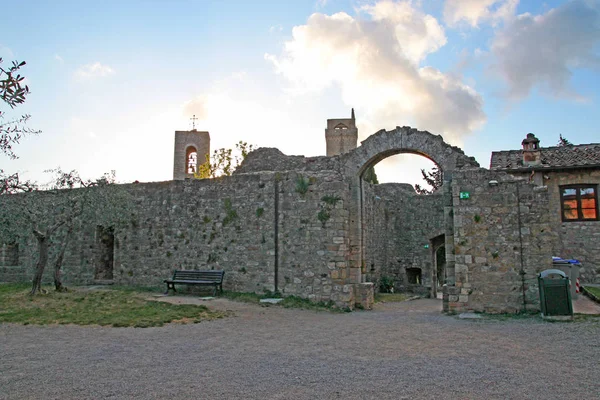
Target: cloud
(474,12)
(59,59)
(197,107)
(95,70)
(543,50)
(275,28)
(375,58)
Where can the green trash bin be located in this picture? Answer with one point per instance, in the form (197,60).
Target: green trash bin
(555,296)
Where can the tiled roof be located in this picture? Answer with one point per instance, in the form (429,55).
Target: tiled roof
(583,155)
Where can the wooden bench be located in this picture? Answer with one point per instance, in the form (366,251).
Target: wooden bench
(205,278)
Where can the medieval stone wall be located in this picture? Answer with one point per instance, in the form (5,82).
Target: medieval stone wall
(229,223)
(504,235)
(311,227)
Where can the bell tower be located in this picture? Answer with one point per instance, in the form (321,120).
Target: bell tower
(341,135)
(191,149)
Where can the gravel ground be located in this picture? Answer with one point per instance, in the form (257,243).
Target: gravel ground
(397,351)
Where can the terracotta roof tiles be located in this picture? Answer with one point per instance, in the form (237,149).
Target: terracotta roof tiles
(583,155)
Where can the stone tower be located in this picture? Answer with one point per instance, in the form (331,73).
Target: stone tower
(341,135)
(191,149)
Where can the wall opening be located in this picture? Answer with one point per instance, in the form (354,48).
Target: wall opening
(9,257)
(440,263)
(413,276)
(105,253)
(398,222)
(191,160)
(408,168)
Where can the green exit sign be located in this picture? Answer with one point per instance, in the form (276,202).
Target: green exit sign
(465,195)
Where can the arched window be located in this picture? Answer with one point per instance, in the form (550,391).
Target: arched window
(341,126)
(191,160)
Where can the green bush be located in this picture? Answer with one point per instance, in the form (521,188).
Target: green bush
(386,284)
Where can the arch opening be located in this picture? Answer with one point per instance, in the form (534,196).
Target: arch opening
(400,216)
(405,167)
(378,223)
(191,160)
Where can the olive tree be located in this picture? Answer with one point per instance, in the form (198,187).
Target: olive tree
(52,211)
(223,161)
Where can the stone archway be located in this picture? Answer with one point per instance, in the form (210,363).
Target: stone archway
(384,144)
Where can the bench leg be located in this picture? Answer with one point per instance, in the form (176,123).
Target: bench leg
(170,286)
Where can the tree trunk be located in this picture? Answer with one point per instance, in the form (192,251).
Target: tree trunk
(42,241)
(59,261)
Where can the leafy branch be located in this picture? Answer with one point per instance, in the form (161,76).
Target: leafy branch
(13,93)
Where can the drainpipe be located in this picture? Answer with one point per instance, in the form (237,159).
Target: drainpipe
(522,271)
(276,239)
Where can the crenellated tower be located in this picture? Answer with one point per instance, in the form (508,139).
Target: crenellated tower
(341,135)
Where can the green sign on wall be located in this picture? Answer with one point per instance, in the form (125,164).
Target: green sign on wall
(465,195)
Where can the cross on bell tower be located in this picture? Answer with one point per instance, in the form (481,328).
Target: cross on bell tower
(194,119)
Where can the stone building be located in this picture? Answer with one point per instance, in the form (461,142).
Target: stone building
(571,174)
(312,227)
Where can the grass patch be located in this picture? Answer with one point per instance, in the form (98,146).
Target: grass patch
(593,290)
(391,297)
(117,307)
(287,302)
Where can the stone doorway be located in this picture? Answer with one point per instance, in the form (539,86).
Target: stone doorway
(438,272)
(105,253)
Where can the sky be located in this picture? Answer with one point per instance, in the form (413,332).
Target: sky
(111,81)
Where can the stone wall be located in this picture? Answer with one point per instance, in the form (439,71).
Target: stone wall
(504,236)
(250,225)
(579,240)
(309,226)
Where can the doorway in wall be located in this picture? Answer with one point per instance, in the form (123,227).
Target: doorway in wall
(105,253)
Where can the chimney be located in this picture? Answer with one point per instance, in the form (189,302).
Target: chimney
(531,151)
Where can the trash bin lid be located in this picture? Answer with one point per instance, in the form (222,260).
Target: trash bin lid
(547,272)
(558,260)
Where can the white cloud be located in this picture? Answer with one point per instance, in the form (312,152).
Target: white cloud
(229,117)
(543,50)
(196,107)
(95,70)
(59,59)
(276,28)
(474,12)
(376,61)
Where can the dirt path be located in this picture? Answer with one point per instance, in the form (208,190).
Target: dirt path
(399,350)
